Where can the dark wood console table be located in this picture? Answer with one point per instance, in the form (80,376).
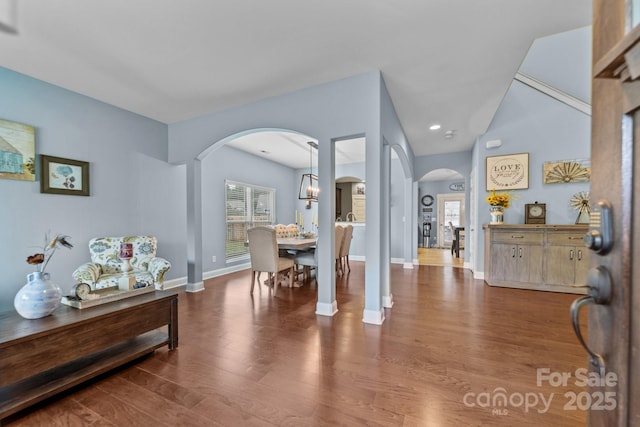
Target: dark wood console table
(41,357)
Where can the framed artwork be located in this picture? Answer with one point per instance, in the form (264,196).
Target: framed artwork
(64,176)
(17,151)
(509,172)
(566,171)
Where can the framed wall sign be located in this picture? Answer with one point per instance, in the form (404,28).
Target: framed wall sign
(457,186)
(510,172)
(64,176)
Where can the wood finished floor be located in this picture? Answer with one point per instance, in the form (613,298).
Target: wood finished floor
(261,361)
(440,257)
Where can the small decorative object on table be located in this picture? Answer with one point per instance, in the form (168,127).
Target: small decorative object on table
(498,202)
(39,297)
(535,213)
(580,201)
(126,253)
(128,281)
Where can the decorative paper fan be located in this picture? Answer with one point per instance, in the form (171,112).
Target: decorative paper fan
(568,172)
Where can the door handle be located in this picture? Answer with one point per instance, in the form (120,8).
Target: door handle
(599,292)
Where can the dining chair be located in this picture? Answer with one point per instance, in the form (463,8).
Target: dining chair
(344,248)
(338,248)
(453,237)
(263,249)
(282,231)
(293,230)
(308,260)
(457,240)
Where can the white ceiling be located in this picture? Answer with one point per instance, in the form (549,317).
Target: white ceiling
(445,61)
(291,149)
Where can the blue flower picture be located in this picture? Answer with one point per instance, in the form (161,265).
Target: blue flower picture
(64,176)
(67,177)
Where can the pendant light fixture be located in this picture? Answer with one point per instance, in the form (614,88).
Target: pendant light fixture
(309,184)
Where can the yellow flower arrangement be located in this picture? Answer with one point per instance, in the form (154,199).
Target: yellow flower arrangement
(500,199)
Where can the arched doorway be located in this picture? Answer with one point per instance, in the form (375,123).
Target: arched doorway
(441,194)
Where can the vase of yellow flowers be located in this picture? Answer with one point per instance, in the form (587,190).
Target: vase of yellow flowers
(498,202)
(40,297)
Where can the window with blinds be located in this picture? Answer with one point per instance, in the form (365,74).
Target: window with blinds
(247,206)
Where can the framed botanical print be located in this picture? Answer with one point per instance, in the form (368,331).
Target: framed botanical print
(64,176)
(509,172)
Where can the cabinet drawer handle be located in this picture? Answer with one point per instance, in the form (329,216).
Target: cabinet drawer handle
(517,237)
(571,254)
(513,252)
(579,255)
(520,252)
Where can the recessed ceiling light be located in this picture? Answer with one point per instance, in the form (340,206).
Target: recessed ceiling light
(434,127)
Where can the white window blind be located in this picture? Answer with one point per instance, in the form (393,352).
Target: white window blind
(247,206)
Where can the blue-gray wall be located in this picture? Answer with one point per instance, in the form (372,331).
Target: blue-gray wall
(434,188)
(229,163)
(549,130)
(133,188)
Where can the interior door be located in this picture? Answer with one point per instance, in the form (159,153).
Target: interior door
(614,328)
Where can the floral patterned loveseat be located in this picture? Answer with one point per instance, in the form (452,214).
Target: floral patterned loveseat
(105,270)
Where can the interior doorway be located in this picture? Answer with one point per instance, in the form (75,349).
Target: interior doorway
(451,212)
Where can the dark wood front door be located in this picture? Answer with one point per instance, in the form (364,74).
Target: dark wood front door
(614,328)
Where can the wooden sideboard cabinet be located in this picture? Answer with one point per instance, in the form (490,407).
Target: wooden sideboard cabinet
(539,257)
(42,357)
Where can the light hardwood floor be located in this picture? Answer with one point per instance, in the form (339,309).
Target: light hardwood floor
(259,361)
(440,257)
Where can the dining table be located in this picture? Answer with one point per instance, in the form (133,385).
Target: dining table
(297,243)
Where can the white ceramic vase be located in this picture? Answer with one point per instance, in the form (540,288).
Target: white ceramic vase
(38,298)
(497,214)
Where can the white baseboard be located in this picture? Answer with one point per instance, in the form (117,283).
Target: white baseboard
(182,281)
(478,275)
(226,270)
(195,287)
(408,265)
(356,258)
(327,309)
(387,301)
(374,317)
(174,283)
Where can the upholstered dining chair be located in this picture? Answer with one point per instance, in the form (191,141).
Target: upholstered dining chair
(308,260)
(344,248)
(263,249)
(339,241)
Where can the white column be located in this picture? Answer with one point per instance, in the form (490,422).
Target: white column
(327,304)
(385,234)
(410,224)
(194,226)
(373,310)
